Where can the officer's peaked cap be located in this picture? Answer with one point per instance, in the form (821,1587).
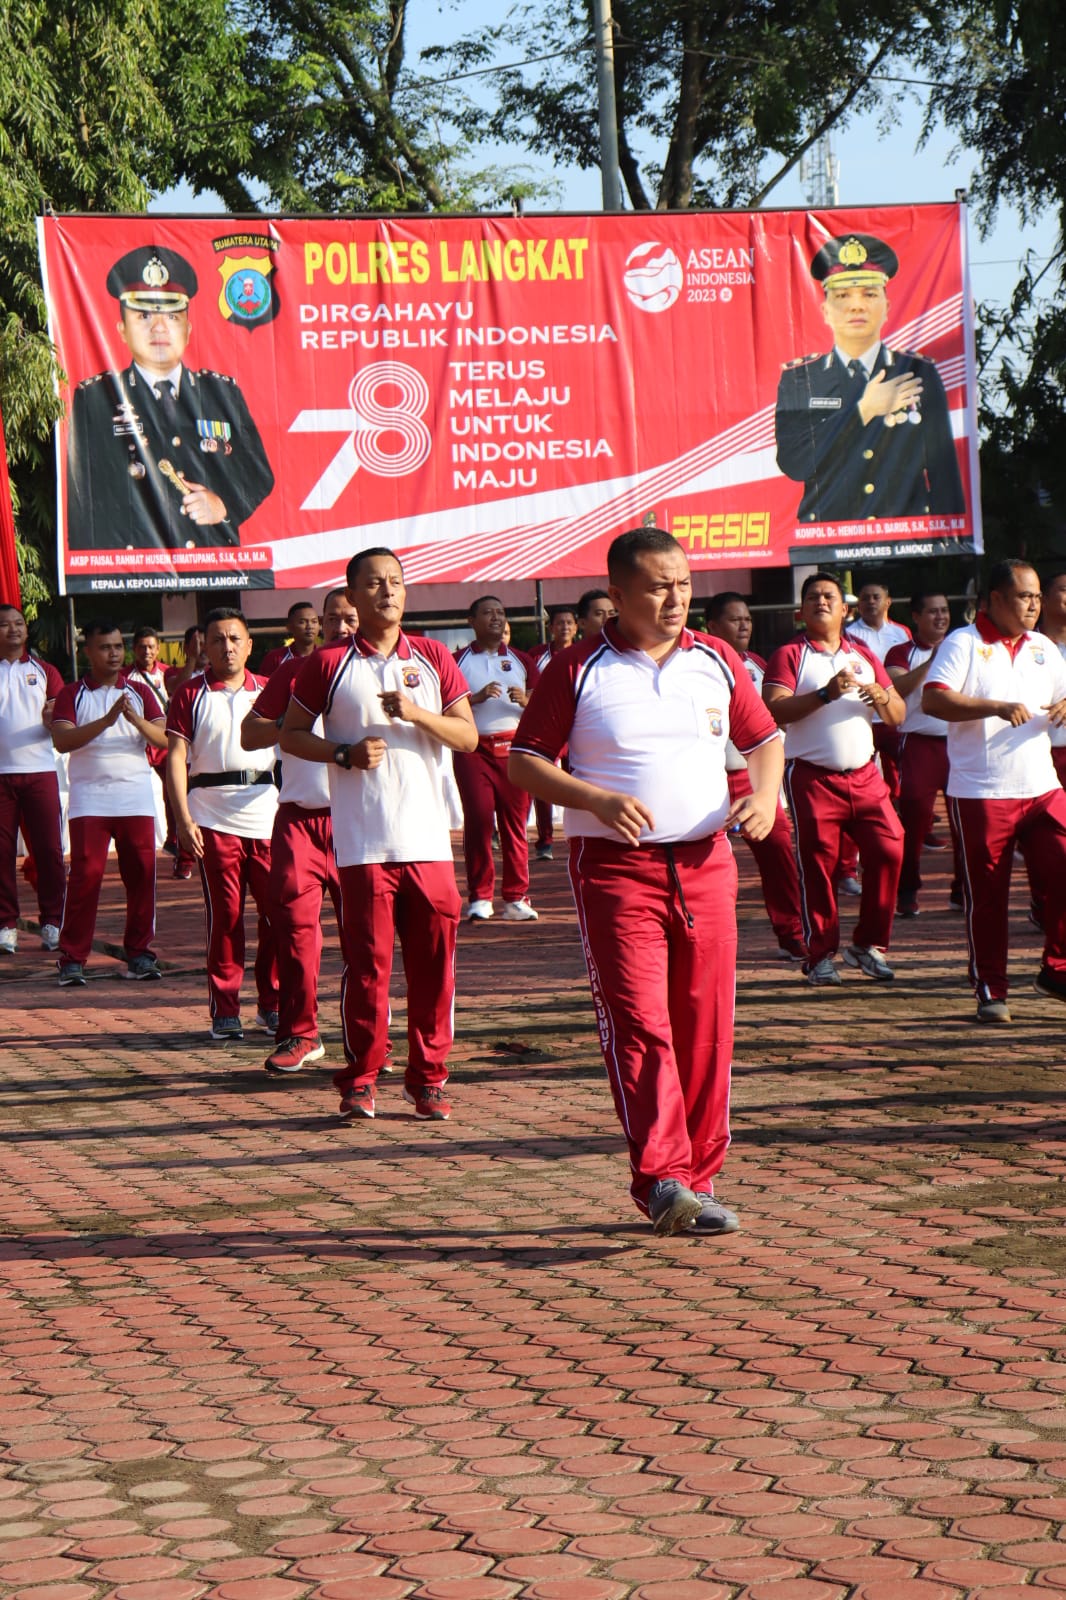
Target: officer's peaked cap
(854,258)
(152,279)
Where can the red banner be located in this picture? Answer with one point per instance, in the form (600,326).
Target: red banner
(250,402)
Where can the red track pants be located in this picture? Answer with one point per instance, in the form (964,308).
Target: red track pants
(29,801)
(658,925)
(988,830)
(303,870)
(419,901)
(487,792)
(776,863)
(232,866)
(923,775)
(827,806)
(135,848)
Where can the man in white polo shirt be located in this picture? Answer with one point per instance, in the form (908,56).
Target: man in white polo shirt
(647,708)
(728,618)
(824,689)
(1001,686)
(499,680)
(392,708)
(225,802)
(923,748)
(104,723)
(1053,627)
(303,866)
(29,787)
(874,628)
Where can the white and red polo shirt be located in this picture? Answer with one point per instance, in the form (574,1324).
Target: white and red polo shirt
(497,717)
(878,641)
(207,716)
(303,783)
(405,809)
(1058,734)
(905,658)
(755,667)
(989,759)
(658,732)
(838,735)
(110,776)
(27,685)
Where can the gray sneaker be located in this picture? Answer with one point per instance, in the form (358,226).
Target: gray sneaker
(871,960)
(823,974)
(145,966)
(993,1011)
(71,975)
(713,1217)
(227,1028)
(672,1205)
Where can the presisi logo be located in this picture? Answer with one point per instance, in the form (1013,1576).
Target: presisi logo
(723,530)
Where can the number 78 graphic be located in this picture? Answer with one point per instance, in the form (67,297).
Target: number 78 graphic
(364,423)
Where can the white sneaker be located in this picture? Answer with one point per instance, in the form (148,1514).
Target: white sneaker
(518,911)
(9,940)
(480,911)
(49,936)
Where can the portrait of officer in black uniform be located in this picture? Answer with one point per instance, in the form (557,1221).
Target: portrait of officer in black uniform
(865,429)
(160,455)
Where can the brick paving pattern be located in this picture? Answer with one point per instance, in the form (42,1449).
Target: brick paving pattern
(254,1353)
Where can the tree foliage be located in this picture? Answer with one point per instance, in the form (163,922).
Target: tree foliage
(710,88)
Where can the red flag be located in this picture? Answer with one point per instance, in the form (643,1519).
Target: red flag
(9,567)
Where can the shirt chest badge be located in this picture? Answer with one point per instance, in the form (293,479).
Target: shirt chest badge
(985,652)
(411,677)
(31,678)
(505,666)
(1037,654)
(714,719)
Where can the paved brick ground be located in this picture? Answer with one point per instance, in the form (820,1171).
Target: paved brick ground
(252,1353)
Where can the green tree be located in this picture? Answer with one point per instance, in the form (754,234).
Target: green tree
(712,89)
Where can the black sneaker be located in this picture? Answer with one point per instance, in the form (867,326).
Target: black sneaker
(145,966)
(672,1205)
(1052,984)
(267,1020)
(71,975)
(228,1029)
(713,1217)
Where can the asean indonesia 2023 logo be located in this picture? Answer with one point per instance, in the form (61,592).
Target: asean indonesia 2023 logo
(249,295)
(653,277)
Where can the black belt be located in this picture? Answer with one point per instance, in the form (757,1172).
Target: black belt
(236,780)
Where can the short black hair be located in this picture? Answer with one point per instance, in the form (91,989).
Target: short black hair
(334,594)
(145,632)
(97,626)
(918,600)
(872,580)
(716,604)
(471,609)
(190,633)
(584,605)
(561,611)
(1003,574)
(820,577)
(351,571)
(626,550)
(224,614)
(6,605)
(300,605)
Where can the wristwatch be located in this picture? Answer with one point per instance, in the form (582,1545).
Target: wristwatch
(823,694)
(342,755)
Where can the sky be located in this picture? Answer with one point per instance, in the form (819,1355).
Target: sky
(876,167)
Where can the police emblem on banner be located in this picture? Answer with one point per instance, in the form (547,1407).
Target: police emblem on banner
(248,295)
(411,677)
